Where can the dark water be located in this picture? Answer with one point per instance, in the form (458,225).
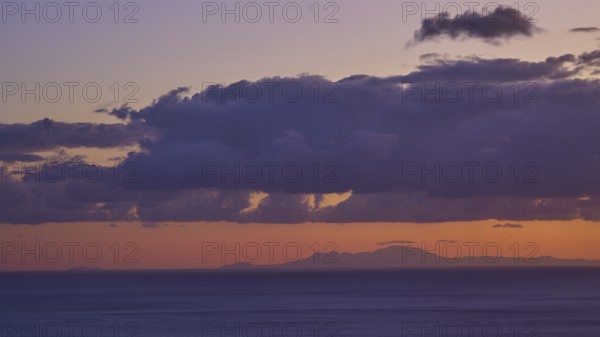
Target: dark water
(544,302)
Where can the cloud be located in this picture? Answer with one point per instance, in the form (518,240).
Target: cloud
(496,70)
(508,225)
(19,157)
(150,225)
(590,58)
(584,30)
(430,56)
(502,23)
(376,142)
(395,242)
(48,134)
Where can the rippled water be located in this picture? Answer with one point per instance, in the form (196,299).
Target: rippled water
(542,302)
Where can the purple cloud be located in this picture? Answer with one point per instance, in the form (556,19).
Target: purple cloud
(502,23)
(395,148)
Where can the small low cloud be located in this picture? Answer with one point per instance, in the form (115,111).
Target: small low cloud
(508,225)
(585,30)
(112,225)
(150,225)
(394,242)
(447,241)
(429,56)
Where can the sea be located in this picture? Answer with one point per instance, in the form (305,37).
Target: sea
(561,302)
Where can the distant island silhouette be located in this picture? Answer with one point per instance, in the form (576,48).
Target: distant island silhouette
(398,257)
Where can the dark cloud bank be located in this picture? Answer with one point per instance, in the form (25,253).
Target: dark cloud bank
(377,132)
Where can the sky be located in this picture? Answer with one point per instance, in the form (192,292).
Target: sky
(354,123)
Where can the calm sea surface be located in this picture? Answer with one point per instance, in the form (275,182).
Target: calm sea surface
(543,302)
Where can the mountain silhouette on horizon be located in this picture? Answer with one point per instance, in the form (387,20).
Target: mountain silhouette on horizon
(398,257)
